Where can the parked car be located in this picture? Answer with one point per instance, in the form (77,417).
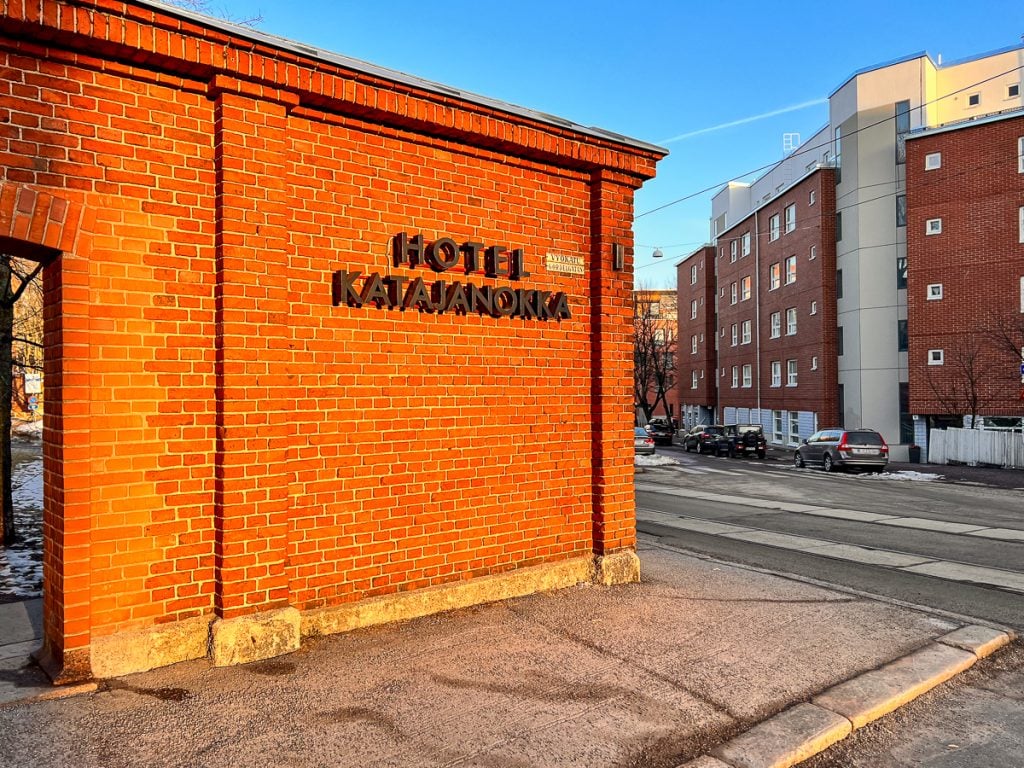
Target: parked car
(643,443)
(744,440)
(703,438)
(833,449)
(661,430)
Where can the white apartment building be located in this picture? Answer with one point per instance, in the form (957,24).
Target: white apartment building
(869,115)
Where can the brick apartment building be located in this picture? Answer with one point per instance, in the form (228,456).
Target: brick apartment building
(696,360)
(310,326)
(965,268)
(853,349)
(655,349)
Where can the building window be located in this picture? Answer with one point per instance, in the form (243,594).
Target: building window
(693,380)
(933,161)
(902,129)
(1012,91)
(814,307)
(814,363)
(934,292)
(935,357)
(733,249)
(1020,155)
(814,252)
(791,321)
(654,309)
(839,341)
(776,373)
(839,283)
(1020,215)
(693,309)
(901,272)
(776,426)
(790,218)
(933,227)
(746,243)
(734,293)
(901,335)
(693,344)
(735,334)
(745,332)
(791,373)
(901,210)
(776,325)
(791,269)
(974,100)
(774,276)
(839,226)
(1022,300)
(810,197)
(773,228)
(747,376)
(794,427)
(745,288)
(693,275)
(735,377)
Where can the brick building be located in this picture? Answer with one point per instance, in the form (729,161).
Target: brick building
(696,360)
(655,347)
(776,345)
(965,268)
(310,324)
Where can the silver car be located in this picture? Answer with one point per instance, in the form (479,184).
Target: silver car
(643,443)
(833,449)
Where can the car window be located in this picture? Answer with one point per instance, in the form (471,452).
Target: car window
(864,438)
(639,432)
(715,430)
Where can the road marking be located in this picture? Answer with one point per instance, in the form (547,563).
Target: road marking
(900,561)
(853,515)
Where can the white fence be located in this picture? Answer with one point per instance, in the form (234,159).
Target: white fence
(976,446)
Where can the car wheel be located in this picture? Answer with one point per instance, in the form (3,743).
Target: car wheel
(827,464)
(761,454)
(798,460)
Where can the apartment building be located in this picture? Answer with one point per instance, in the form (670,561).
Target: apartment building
(965,268)
(696,361)
(863,145)
(655,349)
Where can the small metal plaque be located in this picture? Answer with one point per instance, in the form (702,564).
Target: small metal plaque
(564,263)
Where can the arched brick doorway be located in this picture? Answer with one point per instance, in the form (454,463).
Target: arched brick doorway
(42,227)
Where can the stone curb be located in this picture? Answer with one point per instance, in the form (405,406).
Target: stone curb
(806,729)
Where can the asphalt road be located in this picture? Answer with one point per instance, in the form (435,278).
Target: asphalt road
(952,544)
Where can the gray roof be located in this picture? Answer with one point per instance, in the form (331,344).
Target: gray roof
(301,49)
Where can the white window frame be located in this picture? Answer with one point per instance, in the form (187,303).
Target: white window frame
(976,96)
(934,292)
(776,325)
(791,321)
(746,243)
(748,376)
(1020,155)
(790,213)
(735,376)
(693,344)
(735,334)
(810,197)
(814,363)
(774,276)
(1022,294)
(790,274)
(773,228)
(791,373)
(933,161)
(814,307)
(776,373)
(933,227)
(1009,91)
(814,253)
(776,426)
(936,357)
(693,309)
(745,332)
(733,248)
(693,274)
(734,292)
(693,380)
(745,288)
(1020,215)
(794,427)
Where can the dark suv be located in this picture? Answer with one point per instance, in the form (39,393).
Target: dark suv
(744,440)
(660,431)
(704,438)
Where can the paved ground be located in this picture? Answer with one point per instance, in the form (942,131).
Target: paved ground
(652,674)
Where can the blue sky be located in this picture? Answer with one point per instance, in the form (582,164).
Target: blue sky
(684,75)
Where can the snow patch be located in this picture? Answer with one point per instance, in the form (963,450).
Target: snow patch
(908,474)
(653,461)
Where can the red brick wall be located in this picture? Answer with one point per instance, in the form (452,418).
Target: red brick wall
(703,291)
(221,439)
(979,261)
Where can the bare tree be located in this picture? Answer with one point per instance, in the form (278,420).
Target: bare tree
(958,385)
(17,278)
(207,8)
(654,349)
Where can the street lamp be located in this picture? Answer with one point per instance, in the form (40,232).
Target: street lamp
(657,253)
